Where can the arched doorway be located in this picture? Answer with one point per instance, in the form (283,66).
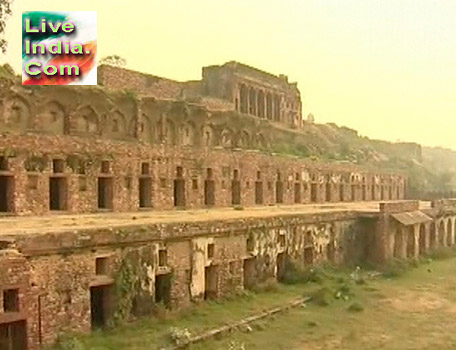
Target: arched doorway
(399,244)
(449,233)
(410,242)
(422,239)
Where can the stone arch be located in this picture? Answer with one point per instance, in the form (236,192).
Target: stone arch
(243,99)
(244,139)
(189,136)
(432,236)
(277,107)
(117,124)
(146,131)
(410,232)
(442,233)
(261,104)
(226,138)
(422,239)
(87,121)
(18,114)
(399,243)
(52,119)
(208,136)
(261,141)
(449,233)
(269,111)
(170,136)
(252,101)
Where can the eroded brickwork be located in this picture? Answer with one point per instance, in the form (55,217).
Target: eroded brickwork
(166,145)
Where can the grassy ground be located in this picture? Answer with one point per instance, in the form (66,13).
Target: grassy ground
(413,311)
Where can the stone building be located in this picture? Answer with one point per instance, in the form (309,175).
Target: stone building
(99,172)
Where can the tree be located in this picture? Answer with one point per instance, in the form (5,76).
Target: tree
(112,60)
(5,12)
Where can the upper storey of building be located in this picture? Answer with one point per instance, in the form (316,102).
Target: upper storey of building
(231,86)
(255,92)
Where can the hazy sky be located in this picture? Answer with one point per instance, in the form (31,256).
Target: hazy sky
(384,67)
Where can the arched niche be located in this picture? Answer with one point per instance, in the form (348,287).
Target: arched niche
(17,115)
(261,141)
(244,97)
(244,139)
(208,136)
(86,121)
(146,131)
(226,138)
(117,125)
(51,119)
(170,136)
(189,134)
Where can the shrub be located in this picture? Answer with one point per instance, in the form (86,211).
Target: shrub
(321,297)
(270,285)
(395,268)
(295,274)
(180,336)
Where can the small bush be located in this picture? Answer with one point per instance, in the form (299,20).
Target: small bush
(355,307)
(238,207)
(295,274)
(321,297)
(179,336)
(269,285)
(395,268)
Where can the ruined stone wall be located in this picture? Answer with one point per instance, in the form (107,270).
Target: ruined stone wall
(74,139)
(199,261)
(32,161)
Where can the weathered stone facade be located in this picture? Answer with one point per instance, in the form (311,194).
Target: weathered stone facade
(66,277)
(128,156)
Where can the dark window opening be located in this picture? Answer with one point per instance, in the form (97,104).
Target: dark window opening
(308,256)
(250,273)
(179,193)
(100,306)
(105,193)
(281,265)
(210,277)
(194,184)
(57,193)
(328,193)
(145,170)
(145,189)
(58,165)
(105,167)
(6,193)
(279,192)
(102,266)
(163,289)
(11,300)
(3,163)
(297,193)
(210,250)
(13,336)
(162,257)
(258,192)
(313,193)
(236,192)
(209,192)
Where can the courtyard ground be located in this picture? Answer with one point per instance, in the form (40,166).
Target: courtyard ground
(415,310)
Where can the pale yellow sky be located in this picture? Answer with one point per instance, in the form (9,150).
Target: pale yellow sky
(384,67)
